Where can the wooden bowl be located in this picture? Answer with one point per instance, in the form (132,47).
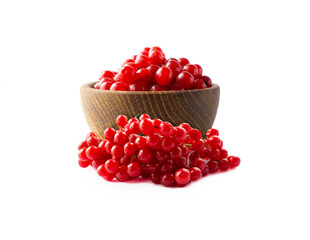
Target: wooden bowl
(196,107)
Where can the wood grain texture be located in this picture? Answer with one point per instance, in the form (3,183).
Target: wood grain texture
(196,107)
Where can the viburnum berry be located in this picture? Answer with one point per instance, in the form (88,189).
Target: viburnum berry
(130,149)
(207,80)
(122,174)
(143,116)
(82,154)
(157,87)
(182,176)
(167,179)
(213,166)
(195,173)
(109,134)
(118,86)
(164,76)
(121,120)
(167,144)
(199,84)
(175,67)
(214,142)
(155,177)
(140,142)
(102,172)
(183,61)
(92,152)
(156,57)
(117,151)
(185,80)
(152,167)
(144,155)
(195,134)
(84,164)
(83,144)
(233,161)
(107,74)
(199,68)
(111,166)
(92,141)
(134,169)
(146,126)
(212,132)
(166,167)
(192,69)
(153,141)
(223,154)
(121,138)
(223,165)
(200,163)
(166,129)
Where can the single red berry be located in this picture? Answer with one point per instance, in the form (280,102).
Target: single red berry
(176,153)
(82,154)
(157,122)
(83,145)
(131,64)
(161,156)
(84,164)
(164,76)
(212,132)
(108,146)
(142,61)
(166,167)
(213,142)
(117,151)
(180,162)
(127,61)
(207,80)
(182,176)
(167,144)
(121,138)
(109,134)
(134,169)
(152,167)
(145,155)
(195,173)
(157,49)
(140,142)
(199,68)
(186,126)
(106,85)
(143,75)
(166,129)
(102,172)
(121,120)
(143,116)
(206,171)
(180,134)
(199,84)
(133,137)
(233,161)
(146,126)
(223,154)
(195,134)
(213,154)
(92,141)
(107,74)
(122,174)
(153,141)
(167,179)
(126,75)
(192,69)
(198,145)
(200,163)
(192,156)
(185,80)
(111,166)
(130,149)
(156,57)
(153,68)
(125,160)
(213,166)
(223,165)
(183,61)
(118,86)
(134,127)
(175,67)
(155,177)
(92,152)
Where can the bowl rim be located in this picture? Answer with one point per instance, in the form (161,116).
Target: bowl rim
(89,87)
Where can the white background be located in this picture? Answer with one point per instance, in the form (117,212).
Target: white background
(257,51)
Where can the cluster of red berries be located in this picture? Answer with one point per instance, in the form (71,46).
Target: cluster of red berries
(151,148)
(151,71)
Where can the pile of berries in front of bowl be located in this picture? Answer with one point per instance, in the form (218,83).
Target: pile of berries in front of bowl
(151,148)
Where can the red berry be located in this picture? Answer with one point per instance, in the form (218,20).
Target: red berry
(213,154)
(84,164)
(107,74)
(207,80)
(167,144)
(223,165)
(83,145)
(175,67)
(199,84)
(192,69)
(195,173)
(108,146)
(161,156)
(134,169)
(182,176)
(157,49)
(157,87)
(92,141)
(140,142)
(102,172)
(180,162)
(145,155)
(186,126)
(214,142)
(118,86)
(180,134)
(142,61)
(146,126)
(176,153)
(82,155)
(195,134)
(166,129)
(143,75)
(212,132)
(122,174)
(153,141)
(213,166)
(166,167)
(155,178)
(126,75)
(106,85)
(109,134)
(125,160)
(223,154)
(111,166)
(130,149)
(185,80)
(157,122)
(143,116)
(121,120)
(200,163)
(92,152)
(121,138)
(167,179)
(156,57)
(117,151)
(206,171)
(183,61)
(134,127)
(233,161)
(199,68)
(152,167)
(164,76)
